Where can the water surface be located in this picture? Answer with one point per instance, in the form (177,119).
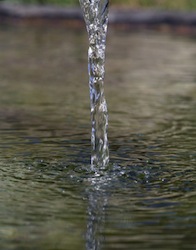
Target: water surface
(49,199)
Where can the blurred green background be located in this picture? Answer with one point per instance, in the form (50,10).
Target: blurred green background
(163,4)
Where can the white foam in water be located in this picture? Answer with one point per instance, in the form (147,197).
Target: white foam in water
(96,17)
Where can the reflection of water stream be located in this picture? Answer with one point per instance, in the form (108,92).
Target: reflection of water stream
(98,199)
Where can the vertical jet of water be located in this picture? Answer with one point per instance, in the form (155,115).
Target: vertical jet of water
(96,17)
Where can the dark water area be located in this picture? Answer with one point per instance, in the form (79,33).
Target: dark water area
(49,199)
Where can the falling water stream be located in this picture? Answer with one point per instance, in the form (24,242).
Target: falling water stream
(96,18)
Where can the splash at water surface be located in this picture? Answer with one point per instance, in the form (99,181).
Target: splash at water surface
(96,17)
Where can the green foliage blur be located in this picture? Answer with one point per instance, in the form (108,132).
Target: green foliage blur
(162,4)
(56,2)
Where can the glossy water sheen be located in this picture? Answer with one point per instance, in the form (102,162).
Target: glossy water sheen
(48,197)
(96,19)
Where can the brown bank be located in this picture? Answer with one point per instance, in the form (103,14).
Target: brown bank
(179,21)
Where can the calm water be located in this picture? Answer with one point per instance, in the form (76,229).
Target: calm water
(49,199)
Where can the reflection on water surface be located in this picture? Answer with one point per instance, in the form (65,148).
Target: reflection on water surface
(49,199)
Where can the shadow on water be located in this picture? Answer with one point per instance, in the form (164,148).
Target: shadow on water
(49,199)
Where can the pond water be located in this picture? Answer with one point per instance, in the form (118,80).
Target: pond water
(49,199)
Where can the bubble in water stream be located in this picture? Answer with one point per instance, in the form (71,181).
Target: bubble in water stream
(96,18)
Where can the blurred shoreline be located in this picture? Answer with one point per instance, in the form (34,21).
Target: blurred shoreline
(164,20)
